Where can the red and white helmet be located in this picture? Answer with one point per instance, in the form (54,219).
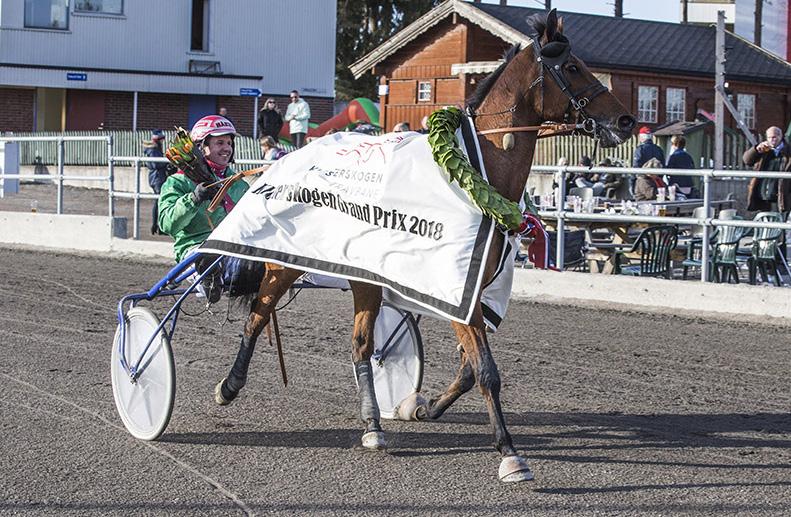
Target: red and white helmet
(211,125)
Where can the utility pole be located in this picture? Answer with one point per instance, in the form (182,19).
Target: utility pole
(759,13)
(619,8)
(684,11)
(548,5)
(503,2)
(719,91)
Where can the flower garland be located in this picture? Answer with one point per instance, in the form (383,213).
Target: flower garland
(446,152)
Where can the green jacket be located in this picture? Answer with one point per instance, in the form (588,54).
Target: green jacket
(185,221)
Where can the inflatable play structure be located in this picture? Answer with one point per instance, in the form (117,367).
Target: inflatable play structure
(359,111)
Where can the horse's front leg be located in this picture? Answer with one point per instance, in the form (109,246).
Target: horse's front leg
(276,282)
(367,301)
(476,347)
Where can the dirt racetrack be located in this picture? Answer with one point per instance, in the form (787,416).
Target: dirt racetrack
(620,413)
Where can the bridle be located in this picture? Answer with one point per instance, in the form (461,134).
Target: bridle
(578,101)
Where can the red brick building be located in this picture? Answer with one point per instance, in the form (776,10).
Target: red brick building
(663,72)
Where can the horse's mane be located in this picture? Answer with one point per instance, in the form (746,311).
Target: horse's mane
(486,84)
(538,22)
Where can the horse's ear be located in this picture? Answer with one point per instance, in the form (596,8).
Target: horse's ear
(551,26)
(560,25)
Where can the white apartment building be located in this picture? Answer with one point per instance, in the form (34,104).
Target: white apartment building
(87,64)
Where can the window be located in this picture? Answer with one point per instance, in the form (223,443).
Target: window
(424,91)
(745,104)
(646,103)
(47,14)
(676,104)
(99,6)
(200,26)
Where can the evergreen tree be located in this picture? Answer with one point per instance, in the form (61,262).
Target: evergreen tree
(362,26)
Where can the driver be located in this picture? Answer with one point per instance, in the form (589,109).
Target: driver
(183,205)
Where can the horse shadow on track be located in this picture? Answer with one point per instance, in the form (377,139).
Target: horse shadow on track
(565,437)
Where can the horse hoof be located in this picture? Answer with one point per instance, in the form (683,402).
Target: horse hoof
(218,398)
(374,440)
(514,469)
(407,408)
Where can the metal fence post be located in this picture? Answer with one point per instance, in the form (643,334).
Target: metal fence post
(704,246)
(110,177)
(61,160)
(560,241)
(136,216)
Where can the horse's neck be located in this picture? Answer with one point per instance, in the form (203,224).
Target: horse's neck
(508,169)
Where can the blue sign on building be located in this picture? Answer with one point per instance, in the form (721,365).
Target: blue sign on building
(74,76)
(249,92)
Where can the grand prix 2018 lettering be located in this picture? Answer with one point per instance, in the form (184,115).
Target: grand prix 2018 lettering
(391,219)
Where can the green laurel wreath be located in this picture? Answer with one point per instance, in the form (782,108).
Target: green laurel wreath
(446,152)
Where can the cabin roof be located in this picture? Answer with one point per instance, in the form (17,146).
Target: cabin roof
(608,42)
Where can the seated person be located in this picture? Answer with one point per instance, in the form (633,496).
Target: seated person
(269,149)
(588,179)
(611,182)
(646,185)
(183,207)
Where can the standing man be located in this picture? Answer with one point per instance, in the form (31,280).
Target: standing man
(680,159)
(646,150)
(772,194)
(157,172)
(297,116)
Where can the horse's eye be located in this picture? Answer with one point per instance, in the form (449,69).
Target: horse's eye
(572,68)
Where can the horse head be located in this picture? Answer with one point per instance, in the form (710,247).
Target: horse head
(569,92)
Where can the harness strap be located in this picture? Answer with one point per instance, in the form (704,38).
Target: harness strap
(554,128)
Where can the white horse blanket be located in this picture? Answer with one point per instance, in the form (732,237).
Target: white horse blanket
(371,208)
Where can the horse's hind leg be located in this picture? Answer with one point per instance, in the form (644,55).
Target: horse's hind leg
(434,408)
(276,282)
(479,358)
(367,300)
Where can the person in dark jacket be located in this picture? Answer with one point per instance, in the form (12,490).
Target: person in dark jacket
(773,154)
(680,159)
(157,172)
(647,149)
(270,120)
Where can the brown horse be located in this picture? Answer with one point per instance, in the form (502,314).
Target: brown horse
(543,82)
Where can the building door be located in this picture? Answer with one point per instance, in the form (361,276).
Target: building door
(50,109)
(200,106)
(84,110)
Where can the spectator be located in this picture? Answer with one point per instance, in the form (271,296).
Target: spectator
(773,154)
(646,185)
(587,179)
(401,127)
(611,183)
(224,113)
(269,149)
(270,120)
(647,149)
(297,116)
(183,205)
(423,126)
(157,172)
(680,159)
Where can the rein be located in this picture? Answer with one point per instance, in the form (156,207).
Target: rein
(226,184)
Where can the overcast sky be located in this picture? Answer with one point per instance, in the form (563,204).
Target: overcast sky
(659,10)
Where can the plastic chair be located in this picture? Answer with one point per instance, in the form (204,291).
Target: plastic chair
(654,245)
(574,249)
(764,251)
(724,265)
(584,193)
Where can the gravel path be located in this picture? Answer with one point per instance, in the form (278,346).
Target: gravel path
(620,413)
